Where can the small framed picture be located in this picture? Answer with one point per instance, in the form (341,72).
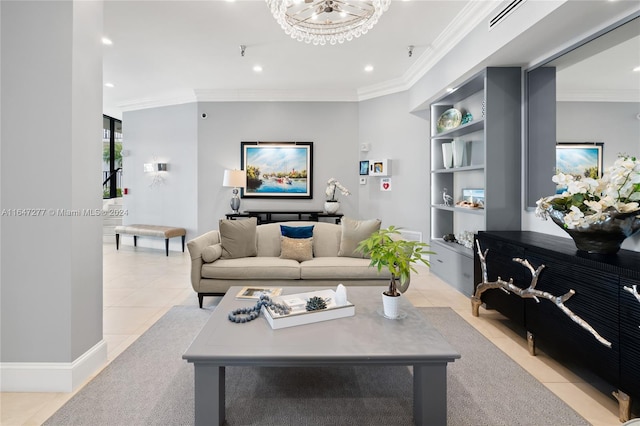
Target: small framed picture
(364,168)
(473,195)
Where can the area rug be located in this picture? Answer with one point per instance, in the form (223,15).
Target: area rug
(150,384)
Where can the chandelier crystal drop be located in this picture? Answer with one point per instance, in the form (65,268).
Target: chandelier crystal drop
(327,21)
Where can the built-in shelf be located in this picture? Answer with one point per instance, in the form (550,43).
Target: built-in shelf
(459,169)
(458,209)
(465,129)
(491,162)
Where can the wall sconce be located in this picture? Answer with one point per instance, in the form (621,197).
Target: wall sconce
(155,167)
(235,179)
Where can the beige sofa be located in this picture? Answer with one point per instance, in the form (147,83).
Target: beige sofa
(242,253)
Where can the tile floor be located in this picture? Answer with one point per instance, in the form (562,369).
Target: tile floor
(140,285)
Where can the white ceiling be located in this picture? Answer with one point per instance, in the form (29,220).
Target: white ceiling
(167,52)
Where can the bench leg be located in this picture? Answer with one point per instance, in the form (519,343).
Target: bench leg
(166,245)
(183,243)
(117,241)
(135,241)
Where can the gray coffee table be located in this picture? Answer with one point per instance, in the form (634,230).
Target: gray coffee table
(364,339)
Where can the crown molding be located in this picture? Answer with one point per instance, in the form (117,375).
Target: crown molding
(307,95)
(598,96)
(157,102)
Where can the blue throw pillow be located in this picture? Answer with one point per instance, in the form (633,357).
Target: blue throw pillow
(297,231)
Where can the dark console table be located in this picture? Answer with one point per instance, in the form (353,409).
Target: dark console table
(270,216)
(603,299)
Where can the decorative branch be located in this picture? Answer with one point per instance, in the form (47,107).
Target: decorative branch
(633,290)
(530,293)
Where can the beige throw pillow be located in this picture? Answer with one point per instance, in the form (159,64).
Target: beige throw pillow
(354,231)
(212,253)
(238,238)
(299,249)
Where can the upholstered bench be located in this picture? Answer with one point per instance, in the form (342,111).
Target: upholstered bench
(165,232)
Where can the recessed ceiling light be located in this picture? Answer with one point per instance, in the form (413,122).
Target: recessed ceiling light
(257,68)
(110,85)
(451,89)
(368,68)
(106,41)
(636,69)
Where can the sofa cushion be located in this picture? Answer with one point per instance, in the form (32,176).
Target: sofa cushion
(341,268)
(238,238)
(299,249)
(212,253)
(252,268)
(354,231)
(296,231)
(326,238)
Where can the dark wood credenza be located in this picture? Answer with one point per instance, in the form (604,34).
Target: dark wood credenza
(602,299)
(270,216)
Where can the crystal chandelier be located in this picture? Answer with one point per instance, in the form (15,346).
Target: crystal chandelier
(327,21)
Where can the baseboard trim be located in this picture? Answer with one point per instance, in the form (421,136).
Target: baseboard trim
(52,376)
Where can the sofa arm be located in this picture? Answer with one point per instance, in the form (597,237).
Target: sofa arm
(195,248)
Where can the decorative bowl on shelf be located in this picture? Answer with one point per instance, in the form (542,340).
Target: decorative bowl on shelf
(450,119)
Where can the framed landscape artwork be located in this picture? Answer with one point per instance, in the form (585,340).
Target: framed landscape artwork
(277,169)
(579,159)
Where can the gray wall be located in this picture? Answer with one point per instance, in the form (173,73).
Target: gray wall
(168,135)
(199,150)
(331,126)
(613,123)
(392,132)
(51,277)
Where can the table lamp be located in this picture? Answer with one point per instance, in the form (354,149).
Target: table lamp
(235,179)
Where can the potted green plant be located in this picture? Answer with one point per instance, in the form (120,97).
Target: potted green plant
(387,250)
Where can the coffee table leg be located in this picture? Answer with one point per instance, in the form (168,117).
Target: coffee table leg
(209,394)
(430,394)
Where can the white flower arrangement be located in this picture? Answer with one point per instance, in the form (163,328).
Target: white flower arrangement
(588,201)
(332,185)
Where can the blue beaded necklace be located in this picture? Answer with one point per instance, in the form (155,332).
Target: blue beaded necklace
(249,314)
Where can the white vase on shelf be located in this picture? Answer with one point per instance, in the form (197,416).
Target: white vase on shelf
(447,155)
(458,147)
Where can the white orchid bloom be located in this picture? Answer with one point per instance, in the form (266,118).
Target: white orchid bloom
(573,218)
(626,207)
(577,187)
(562,179)
(332,185)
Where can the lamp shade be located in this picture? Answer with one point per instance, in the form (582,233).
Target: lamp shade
(234,178)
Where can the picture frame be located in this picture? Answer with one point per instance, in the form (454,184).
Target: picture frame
(277,169)
(580,159)
(364,168)
(473,195)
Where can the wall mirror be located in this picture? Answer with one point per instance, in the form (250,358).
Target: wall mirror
(588,93)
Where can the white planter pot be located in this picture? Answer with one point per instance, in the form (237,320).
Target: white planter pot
(331,206)
(390,306)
